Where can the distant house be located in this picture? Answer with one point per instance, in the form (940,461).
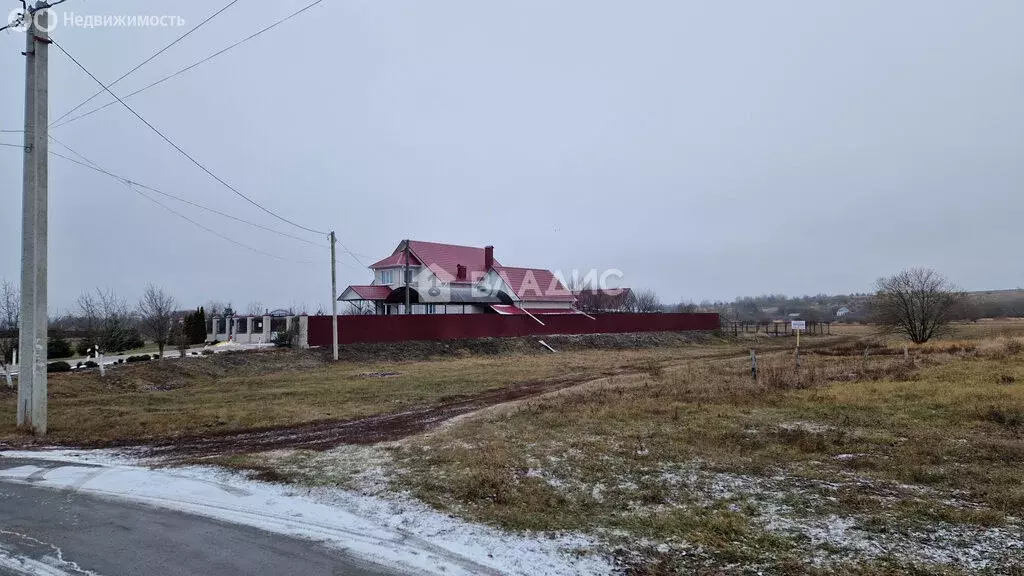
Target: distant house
(842,312)
(450,279)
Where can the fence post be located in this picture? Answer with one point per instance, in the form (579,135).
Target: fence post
(753,365)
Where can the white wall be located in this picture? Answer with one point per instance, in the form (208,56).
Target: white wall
(399,309)
(396,276)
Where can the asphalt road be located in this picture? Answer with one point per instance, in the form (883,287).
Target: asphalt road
(53,532)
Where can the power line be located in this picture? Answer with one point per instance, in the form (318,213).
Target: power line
(212,231)
(12,145)
(97,168)
(21,17)
(193,65)
(350,253)
(182,151)
(144,62)
(131,186)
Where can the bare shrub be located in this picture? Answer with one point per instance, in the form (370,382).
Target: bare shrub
(1014,346)
(107,321)
(1008,417)
(781,371)
(1000,348)
(643,302)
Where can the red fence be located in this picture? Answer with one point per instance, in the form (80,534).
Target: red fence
(352,329)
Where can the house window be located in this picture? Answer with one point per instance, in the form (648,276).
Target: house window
(387,276)
(431,308)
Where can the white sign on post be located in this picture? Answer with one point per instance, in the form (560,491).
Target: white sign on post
(798,324)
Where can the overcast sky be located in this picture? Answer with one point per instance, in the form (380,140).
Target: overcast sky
(707,149)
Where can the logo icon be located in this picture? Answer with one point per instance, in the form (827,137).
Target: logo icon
(16,20)
(433,284)
(19,19)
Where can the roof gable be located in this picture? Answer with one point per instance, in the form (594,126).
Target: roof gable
(365,293)
(396,259)
(535,284)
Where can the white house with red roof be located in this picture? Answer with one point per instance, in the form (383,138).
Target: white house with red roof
(449,279)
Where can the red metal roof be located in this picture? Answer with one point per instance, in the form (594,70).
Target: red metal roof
(449,256)
(507,310)
(371,292)
(446,257)
(535,284)
(396,259)
(528,284)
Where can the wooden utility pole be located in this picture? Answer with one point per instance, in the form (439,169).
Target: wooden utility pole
(33,322)
(334,294)
(405,278)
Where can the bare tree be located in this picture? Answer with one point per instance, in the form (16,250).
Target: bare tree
(10,312)
(89,316)
(594,299)
(967,309)
(644,302)
(106,319)
(359,308)
(156,311)
(918,302)
(214,308)
(256,308)
(686,307)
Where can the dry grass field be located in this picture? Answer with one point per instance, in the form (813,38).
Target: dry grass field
(848,464)
(869,457)
(242,391)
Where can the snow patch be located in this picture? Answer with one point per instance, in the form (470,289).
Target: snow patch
(396,530)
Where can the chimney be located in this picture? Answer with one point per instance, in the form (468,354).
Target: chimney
(488,258)
(460,272)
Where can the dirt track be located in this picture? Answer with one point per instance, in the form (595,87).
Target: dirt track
(326,434)
(371,430)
